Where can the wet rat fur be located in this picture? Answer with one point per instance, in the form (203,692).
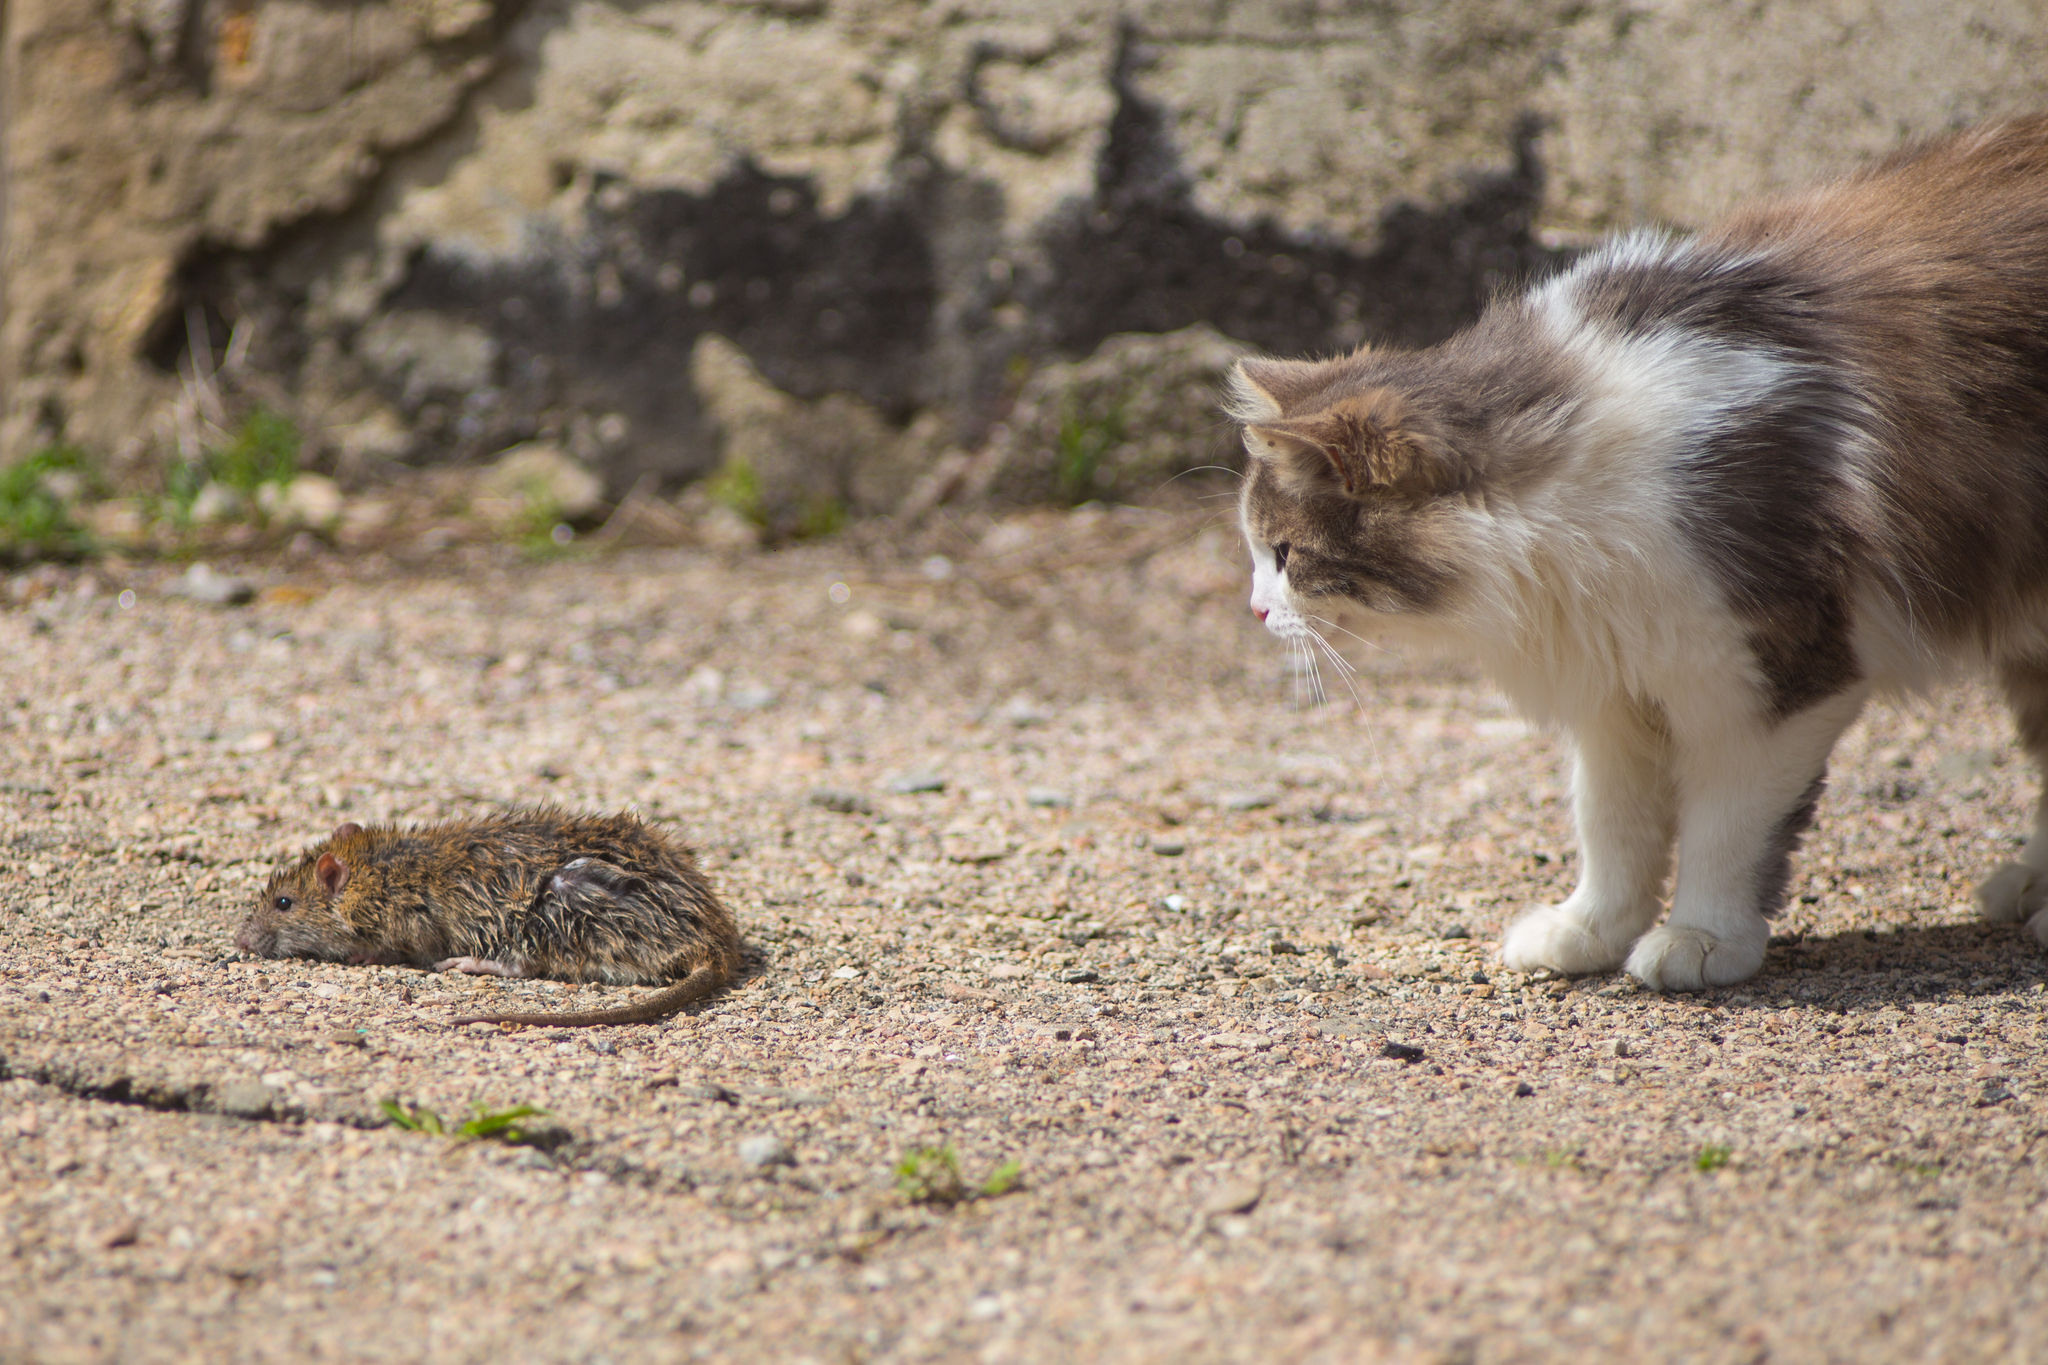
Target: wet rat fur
(525,893)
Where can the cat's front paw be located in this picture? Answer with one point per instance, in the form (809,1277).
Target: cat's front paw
(2014,892)
(1553,936)
(1675,958)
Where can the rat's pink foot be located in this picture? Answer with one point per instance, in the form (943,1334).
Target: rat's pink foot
(478,966)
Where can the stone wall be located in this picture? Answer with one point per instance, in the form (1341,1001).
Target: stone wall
(437,228)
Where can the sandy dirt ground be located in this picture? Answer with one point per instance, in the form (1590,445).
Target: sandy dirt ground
(1041,858)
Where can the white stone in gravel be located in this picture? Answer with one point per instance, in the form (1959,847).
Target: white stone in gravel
(845,973)
(1251,1042)
(201,584)
(1047,798)
(766,1150)
(1234,1196)
(913,784)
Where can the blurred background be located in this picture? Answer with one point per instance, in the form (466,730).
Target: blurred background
(751,271)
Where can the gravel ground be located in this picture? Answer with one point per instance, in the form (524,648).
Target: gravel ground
(1214,967)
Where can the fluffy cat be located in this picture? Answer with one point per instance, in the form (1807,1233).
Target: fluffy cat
(1693,501)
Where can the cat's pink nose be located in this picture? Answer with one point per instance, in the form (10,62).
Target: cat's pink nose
(1259,612)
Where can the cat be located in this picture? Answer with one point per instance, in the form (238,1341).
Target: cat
(1692,501)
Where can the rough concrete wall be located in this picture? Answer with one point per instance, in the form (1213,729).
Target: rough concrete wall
(450,225)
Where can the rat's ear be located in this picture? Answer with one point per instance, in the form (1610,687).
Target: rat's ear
(332,873)
(346,828)
(1371,439)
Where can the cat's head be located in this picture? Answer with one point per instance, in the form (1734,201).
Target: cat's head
(1353,494)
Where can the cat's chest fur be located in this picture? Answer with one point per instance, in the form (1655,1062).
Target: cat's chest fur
(1699,497)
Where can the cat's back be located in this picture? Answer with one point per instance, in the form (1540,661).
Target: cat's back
(1852,386)
(1940,248)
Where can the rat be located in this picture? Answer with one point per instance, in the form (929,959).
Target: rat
(533,892)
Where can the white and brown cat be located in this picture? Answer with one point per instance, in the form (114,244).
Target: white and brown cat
(1693,501)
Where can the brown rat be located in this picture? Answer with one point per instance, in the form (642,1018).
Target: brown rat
(537,892)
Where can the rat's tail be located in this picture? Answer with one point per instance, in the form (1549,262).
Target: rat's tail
(702,981)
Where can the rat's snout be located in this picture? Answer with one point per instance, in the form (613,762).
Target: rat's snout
(246,939)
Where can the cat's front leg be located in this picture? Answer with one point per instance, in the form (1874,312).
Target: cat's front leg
(1750,789)
(2017,892)
(1623,801)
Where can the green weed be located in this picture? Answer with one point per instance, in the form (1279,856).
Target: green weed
(539,530)
(1712,1157)
(264,449)
(736,485)
(498,1125)
(35,514)
(822,517)
(931,1175)
(1083,442)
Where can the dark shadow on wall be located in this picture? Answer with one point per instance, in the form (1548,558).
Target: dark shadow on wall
(1142,258)
(822,305)
(893,300)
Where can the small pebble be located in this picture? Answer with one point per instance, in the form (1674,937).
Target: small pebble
(914,784)
(247,1099)
(201,584)
(1048,798)
(1456,931)
(1169,848)
(1401,1052)
(1523,1089)
(840,800)
(1236,1196)
(766,1150)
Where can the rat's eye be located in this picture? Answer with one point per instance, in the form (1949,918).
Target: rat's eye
(284,902)
(1280,557)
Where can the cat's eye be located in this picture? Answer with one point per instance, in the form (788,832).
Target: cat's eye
(1280,557)
(284,902)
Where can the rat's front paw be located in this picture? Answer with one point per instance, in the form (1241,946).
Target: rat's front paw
(477,966)
(1675,958)
(1554,936)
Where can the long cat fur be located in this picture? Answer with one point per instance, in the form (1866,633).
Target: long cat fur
(1693,501)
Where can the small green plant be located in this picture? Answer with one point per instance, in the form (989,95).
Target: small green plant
(35,513)
(931,1175)
(1553,1159)
(1003,1179)
(1083,442)
(737,486)
(497,1125)
(1712,1157)
(264,449)
(822,517)
(539,530)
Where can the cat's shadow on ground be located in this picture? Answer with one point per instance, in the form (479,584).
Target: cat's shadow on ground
(1951,963)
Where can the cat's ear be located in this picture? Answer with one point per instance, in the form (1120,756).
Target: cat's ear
(1369,440)
(1261,389)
